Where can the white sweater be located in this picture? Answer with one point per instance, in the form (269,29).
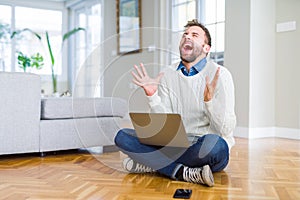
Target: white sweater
(182,94)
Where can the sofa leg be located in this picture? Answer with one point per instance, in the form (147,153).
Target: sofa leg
(110,148)
(42,154)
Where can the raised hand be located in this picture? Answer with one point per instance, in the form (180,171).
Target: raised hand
(210,87)
(142,79)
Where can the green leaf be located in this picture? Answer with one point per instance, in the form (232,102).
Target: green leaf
(50,50)
(23,61)
(68,34)
(37,61)
(23,30)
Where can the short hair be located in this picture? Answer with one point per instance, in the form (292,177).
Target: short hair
(195,22)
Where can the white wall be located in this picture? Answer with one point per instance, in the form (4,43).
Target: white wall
(288,66)
(117,74)
(237,51)
(262,63)
(264,67)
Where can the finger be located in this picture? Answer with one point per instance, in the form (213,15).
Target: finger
(206,90)
(144,71)
(138,71)
(137,83)
(207,86)
(207,80)
(216,78)
(136,77)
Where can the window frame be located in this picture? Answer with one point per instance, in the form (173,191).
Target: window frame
(56,6)
(74,8)
(200,14)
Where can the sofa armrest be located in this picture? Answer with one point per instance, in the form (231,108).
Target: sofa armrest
(20,112)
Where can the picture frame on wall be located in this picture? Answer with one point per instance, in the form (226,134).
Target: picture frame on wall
(129,26)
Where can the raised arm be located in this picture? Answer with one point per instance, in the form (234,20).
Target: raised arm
(219,101)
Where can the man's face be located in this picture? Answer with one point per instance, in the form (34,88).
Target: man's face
(192,44)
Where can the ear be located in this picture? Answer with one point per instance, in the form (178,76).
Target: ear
(206,48)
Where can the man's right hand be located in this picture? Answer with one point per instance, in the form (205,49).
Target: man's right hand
(142,79)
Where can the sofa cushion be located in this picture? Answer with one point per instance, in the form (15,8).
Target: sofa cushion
(68,107)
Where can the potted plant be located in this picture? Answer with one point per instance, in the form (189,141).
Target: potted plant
(34,61)
(65,37)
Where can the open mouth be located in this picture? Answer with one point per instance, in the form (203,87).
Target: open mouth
(188,46)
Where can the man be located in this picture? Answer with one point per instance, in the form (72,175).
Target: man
(202,92)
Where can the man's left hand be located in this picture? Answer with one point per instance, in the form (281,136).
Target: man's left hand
(210,87)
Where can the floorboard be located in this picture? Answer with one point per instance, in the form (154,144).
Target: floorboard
(264,169)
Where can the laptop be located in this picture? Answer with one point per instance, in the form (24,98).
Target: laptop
(160,129)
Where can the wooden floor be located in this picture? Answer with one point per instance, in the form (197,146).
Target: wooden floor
(259,169)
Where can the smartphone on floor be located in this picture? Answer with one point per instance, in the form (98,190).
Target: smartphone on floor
(182,193)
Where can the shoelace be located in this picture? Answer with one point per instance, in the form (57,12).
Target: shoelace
(142,168)
(193,175)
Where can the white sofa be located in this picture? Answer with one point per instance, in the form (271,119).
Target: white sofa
(29,123)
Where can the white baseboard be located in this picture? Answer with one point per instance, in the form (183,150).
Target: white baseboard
(288,133)
(264,132)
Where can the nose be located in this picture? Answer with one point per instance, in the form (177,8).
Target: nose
(187,36)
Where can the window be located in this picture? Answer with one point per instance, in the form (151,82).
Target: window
(214,19)
(90,19)
(209,12)
(87,15)
(17,18)
(185,10)
(5,43)
(40,21)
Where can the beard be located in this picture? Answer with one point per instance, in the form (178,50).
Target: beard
(191,57)
(188,58)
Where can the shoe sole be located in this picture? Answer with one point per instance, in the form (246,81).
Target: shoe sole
(131,166)
(208,176)
(128,167)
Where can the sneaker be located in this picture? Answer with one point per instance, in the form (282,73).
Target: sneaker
(134,167)
(201,175)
